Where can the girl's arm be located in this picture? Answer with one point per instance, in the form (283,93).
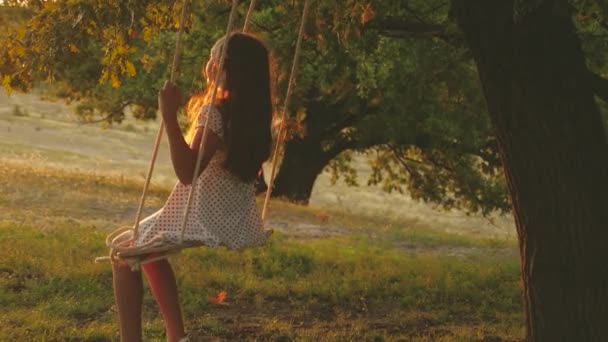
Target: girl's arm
(183,156)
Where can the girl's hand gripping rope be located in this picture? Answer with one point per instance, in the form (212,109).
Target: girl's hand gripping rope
(169,101)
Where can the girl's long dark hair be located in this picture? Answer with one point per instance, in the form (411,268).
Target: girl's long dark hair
(247,110)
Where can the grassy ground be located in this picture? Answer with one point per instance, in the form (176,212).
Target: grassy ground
(367,266)
(368,280)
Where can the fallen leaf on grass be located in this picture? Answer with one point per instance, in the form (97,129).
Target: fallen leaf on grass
(219,298)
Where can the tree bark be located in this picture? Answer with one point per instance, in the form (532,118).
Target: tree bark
(306,156)
(302,163)
(555,155)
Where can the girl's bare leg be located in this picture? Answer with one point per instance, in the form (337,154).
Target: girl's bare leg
(164,288)
(128,296)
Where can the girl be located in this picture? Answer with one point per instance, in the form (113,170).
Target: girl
(223,209)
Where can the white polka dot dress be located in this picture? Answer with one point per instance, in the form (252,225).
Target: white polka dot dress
(223,209)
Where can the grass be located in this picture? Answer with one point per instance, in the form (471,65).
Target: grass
(360,284)
(316,284)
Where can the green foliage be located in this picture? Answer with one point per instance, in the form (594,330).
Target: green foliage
(12,51)
(94,48)
(390,97)
(591,20)
(341,167)
(522,8)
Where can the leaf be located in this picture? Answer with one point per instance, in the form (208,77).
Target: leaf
(74,48)
(121,49)
(19,50)
(114,80)
(367,15)
(130,68)
(6,83)
(219,298)
(147,34)
(104,76)
(301,115)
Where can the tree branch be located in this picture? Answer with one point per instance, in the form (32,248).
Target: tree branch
(402,160)
(340,144)
(116,110)
(397,27)
(400,27)
(267,29)
(346,122)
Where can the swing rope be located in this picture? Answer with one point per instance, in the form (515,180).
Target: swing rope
(157,141)
(203,144)
(159,134)
(249,14)
(125,249)
(157,244)
(282,131)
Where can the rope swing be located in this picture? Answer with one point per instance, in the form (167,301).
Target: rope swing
(282,131)
(158,248)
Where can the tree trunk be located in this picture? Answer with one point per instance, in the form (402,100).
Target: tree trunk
(303,161)
(555,155)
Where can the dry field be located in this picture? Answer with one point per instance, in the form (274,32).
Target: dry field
(50,134)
